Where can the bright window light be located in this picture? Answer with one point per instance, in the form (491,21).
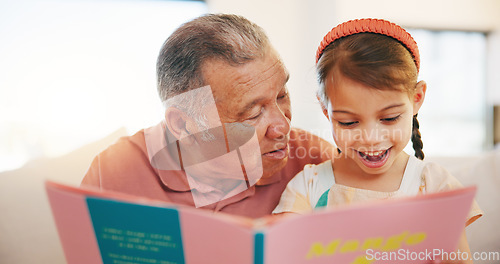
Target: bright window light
(453,117)
(72,72)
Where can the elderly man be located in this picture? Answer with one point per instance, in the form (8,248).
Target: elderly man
(226,143)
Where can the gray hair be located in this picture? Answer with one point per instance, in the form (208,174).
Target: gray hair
(231,38)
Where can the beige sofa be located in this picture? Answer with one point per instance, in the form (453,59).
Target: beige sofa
(28,233)
(484,172)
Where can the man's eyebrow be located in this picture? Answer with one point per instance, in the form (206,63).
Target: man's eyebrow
(287,77)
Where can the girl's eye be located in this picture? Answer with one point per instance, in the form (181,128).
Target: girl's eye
(390,119)
(347,124)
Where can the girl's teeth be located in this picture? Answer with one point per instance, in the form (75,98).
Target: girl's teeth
(373,153)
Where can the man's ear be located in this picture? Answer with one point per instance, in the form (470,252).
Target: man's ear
(176,121)
(419,96)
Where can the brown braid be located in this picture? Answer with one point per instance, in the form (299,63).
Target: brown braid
(416,139)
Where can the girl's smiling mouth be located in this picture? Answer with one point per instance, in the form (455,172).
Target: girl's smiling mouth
(374,159)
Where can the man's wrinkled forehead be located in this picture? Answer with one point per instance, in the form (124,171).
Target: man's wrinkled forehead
(254,94)
(230,79)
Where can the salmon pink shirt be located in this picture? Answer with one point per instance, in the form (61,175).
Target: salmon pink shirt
(125,167)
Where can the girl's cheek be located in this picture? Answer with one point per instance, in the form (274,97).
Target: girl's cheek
(343,137)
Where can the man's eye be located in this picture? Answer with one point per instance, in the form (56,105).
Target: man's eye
(254,117)
(347,124)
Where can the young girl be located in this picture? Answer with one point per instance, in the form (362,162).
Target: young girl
(369,91)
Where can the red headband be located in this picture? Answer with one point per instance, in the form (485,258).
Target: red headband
(378,26)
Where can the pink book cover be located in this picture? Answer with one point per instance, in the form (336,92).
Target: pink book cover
(407,230)
(106,227)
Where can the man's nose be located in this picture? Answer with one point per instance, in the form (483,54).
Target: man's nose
(279,124)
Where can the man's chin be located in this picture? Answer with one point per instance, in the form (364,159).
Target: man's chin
(271,167)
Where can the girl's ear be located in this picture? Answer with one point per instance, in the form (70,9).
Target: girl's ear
(419,96)
(323,108)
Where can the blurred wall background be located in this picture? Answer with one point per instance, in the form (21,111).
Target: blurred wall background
(74,71)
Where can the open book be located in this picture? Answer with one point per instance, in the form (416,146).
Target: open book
(104,227)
